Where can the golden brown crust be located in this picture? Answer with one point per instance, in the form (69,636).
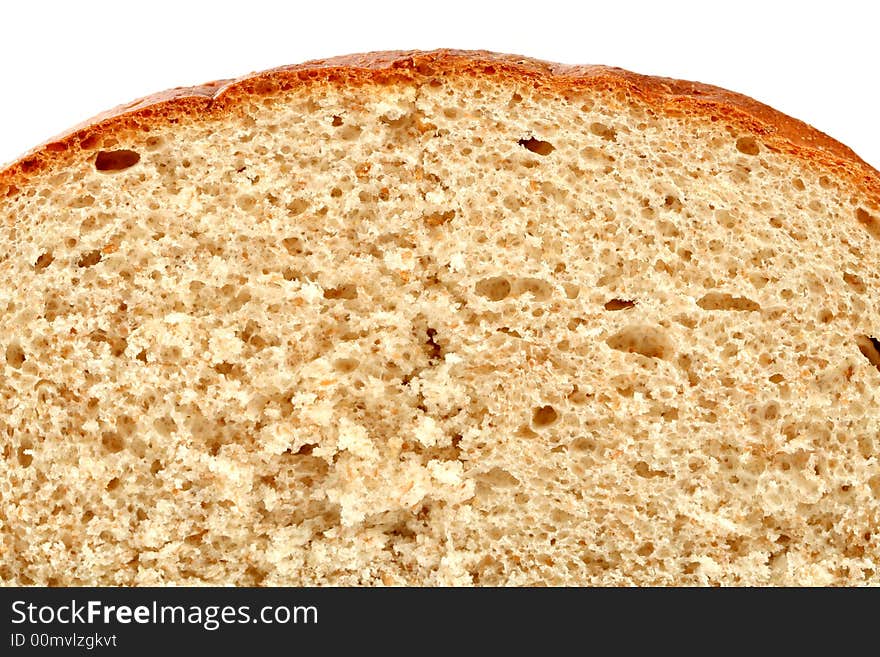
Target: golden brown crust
(775,129)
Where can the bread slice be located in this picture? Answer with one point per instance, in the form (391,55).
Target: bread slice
(440,318)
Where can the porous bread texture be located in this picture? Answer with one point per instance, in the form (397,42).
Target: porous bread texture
(453,329)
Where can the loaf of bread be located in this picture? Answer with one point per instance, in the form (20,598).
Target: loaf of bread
(443,318)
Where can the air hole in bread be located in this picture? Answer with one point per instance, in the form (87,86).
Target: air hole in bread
(297,206)
(869,221)
(539,289)
(498,478)
(264,87)
(170,354)
(619,304)
(246,202)
(15,355)
(165,426)
(604,131)
(117,343)
(669,413)
(120,160)
(582,445)
(229,370)
(44,261)
(646,550)
(748,145)
(24,453)
(647,341)
(336,121)
(537,146)
(90,141)
(770,411)
(346,291)
(855,282)
(544,416)
(113,484)
(112,442)
(526,432)
(89,259)
(722,301)
(433,348)
(496,288)
(237,297)
(138,447)
(672,202)
(578,396)
(293,245)
(350,132)
(870,348)
(572,291)
(513,203)
(644,470)
(345,365)
(438,218)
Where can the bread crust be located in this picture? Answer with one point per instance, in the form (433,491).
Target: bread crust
(776,130)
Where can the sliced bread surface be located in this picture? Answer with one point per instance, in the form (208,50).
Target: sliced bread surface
(436,318)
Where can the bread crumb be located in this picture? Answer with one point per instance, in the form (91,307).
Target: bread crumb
(447,330)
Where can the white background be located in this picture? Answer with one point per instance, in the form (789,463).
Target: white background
(62,62)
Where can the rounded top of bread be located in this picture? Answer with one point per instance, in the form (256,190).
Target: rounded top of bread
(777,131)
(443,318)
